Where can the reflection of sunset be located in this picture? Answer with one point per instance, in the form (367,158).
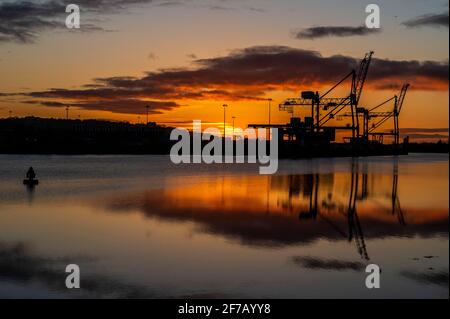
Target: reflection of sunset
(175,230)
(288,206)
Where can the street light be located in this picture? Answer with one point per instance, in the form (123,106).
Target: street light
(224,117)
(270,104)
(234,117)
(147,107)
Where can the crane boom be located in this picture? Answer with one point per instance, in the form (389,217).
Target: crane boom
(395,113)
(324,102)
(401,97)
(358,83)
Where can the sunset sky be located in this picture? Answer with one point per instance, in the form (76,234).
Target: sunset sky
(187,58)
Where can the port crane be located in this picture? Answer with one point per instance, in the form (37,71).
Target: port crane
(333,106)
(385,116)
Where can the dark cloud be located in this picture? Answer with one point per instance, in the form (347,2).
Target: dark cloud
(215,5)
(261,68)
(23,21)
(428,20)
(322,264)
(247,74)
(169,4)
(255,9)
(130,106)
(220,8)
(334,31)
(423,75)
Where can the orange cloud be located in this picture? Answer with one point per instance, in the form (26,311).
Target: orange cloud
(247,74)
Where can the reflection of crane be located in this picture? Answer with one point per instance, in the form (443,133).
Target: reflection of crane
(308,186)
(334,106)
(396,208)
(313,198)
(364,187)
(354,226)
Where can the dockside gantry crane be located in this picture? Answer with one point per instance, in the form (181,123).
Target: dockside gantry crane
(385,116)
(334,106)
(369,114)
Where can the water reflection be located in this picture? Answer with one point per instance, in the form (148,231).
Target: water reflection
(284,210)
(217,232)
(30,193)
(18,263)
(321,264)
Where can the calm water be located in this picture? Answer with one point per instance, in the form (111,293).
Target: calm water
(140,227)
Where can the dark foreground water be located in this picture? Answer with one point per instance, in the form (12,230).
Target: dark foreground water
(140,227)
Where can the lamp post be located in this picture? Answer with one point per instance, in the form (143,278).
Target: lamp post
(270,104)
(224,117)
(147,107)
(234,117)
